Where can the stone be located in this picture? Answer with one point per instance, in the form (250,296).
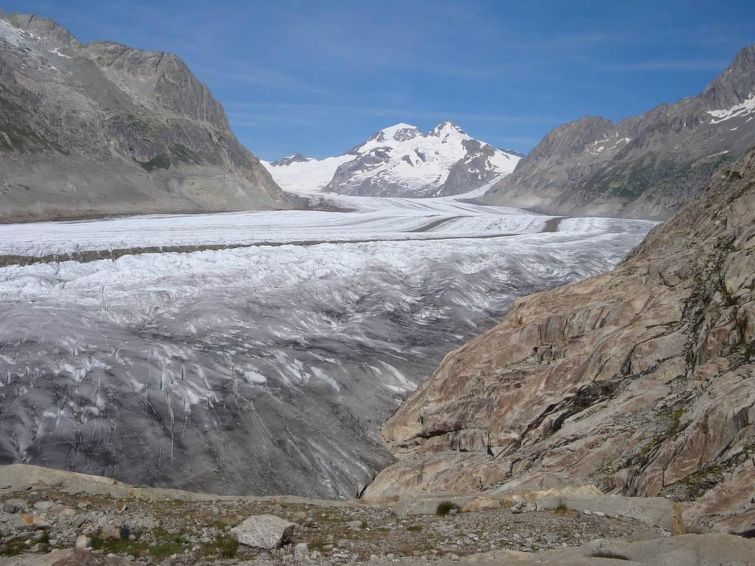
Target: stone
(43,505)
(523,507)
(83,541)
(301,551)
(354,524)
(14,505)
(264,531)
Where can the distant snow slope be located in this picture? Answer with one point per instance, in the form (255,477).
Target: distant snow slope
(297,174)
(400,161)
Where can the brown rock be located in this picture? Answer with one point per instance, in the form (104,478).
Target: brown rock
(640,381)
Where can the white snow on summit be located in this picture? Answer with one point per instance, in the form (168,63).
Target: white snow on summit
(399,156)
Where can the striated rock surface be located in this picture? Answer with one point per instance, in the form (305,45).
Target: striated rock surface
(646,166)
(640,381)
(101,128)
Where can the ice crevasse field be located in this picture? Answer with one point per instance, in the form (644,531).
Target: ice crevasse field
(267,352)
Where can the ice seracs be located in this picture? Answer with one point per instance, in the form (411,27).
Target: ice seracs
(400,160)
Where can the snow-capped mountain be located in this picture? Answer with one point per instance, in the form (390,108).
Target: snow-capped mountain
(400,161)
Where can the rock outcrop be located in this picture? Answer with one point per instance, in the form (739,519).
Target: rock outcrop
(101,128)
(647,166)
(640,381)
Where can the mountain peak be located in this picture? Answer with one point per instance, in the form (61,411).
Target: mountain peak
(735,84)
(446,127)
(39,26)
(397,132)
(401,160)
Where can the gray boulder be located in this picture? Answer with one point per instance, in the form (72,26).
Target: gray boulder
(264,531)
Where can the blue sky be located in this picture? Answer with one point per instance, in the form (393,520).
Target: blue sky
(319,76)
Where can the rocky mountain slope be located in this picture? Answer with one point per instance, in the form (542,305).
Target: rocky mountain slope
(101,128)
(640,381)
(400,161)
(646,166)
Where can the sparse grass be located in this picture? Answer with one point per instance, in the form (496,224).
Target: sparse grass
(13,548)
(446,507)
(97,542)
(224,546)
(167,548)
(414,528)
(165,544)
(44,537)
(317,544)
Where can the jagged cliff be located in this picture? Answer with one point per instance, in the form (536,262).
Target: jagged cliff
(101,128)
(646,166)
(640,381)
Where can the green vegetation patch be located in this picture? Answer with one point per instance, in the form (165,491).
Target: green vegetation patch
(162,544)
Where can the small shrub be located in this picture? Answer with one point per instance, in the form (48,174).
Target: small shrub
(97,542)
(445,507)
(414,528)
(561,508)
(608,554)
(13,548)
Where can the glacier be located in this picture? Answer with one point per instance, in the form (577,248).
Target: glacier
(264,356)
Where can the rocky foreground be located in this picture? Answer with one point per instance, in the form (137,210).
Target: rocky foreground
(638,382)
(53,517)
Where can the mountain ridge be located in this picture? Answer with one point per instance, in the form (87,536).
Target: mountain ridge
(102,128)
(645,166)
(400,160)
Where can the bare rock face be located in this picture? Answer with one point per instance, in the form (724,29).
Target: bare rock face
(640,381)
(102,128)
(647,166)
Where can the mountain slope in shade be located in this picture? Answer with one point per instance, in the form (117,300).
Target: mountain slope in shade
(101,128)
(646,166)
(640,381)
(400,161)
